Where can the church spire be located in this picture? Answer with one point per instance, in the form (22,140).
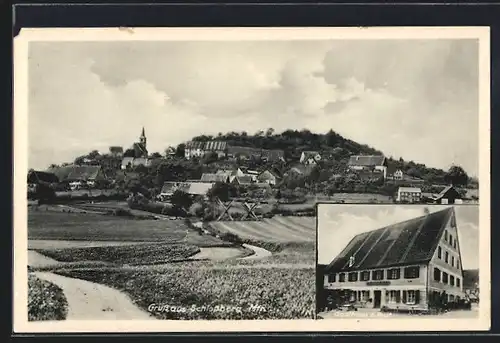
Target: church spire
(143,134)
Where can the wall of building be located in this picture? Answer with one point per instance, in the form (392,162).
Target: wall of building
(386,285)
(454,269)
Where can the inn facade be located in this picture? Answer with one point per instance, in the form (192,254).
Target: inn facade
(412,265)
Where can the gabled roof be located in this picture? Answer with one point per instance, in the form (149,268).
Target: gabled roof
(41,176)
(409,242)
(410,189)
(446,190)
(269,172)
(310,154)
(215,145)
(75,172)
(207,177)
(199,188)
(140,148)
(169,187)
(243,179)
(195,145)
(366,160)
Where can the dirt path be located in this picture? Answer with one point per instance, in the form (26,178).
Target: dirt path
(259,252)
(37,260)
(217,253)
(88,300)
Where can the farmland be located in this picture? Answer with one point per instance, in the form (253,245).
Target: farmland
(277,229)
(136,257)
(277,293)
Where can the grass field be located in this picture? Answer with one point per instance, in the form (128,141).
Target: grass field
(95,227)
(277,229)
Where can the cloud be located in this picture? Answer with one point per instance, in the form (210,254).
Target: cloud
(411,99)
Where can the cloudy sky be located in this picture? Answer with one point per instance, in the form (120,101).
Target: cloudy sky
(338,224)
(412,98)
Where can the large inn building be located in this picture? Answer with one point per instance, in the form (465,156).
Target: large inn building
(408,265)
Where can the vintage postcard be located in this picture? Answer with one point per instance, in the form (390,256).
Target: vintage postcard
(168,179)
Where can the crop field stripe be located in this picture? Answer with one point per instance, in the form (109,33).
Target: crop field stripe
(274,232)
(256,230)
(244,232)
(300,230)
(306,222)
(285,231)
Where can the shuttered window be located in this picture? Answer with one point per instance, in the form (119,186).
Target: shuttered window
(353,276)
(394,274)
(365,276)
(411,297)
(437,274)
(341,277)
(412,272)
(331,278)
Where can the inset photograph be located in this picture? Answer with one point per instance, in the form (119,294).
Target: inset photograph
(397,261)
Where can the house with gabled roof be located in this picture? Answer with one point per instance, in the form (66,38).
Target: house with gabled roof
(376,164)
(411,265)
(409,195)
(269,177)
(449,195)
(310,157)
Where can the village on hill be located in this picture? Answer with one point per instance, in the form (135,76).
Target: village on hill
(295,167)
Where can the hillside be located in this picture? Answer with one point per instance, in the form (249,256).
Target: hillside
(334,148)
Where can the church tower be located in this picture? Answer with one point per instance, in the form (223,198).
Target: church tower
(142,139)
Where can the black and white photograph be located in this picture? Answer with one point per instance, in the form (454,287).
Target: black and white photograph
(398,261)
(175,174)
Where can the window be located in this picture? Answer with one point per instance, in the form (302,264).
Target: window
(365,295)
(365,276)
(455,244)
(394,297)
(331,277)
(437,274)
(353,276)
(439,252)
(341,277)
(412,272)
(451,240)
(378,275)
(394,274)
(446,257)
(453,261)
(458,264)
(445,278)
(411,297)
(446,235)
(452,280)
(458,282)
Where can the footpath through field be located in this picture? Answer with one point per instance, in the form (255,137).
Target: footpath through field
(88,300)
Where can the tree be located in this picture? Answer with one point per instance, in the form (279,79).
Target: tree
(223,191)
(155,155)
(181,200)
(180,150)
(457,176)
(93,154)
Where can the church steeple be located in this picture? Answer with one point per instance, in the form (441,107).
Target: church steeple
(142,139)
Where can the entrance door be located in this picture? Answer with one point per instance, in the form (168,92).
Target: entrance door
(378,299)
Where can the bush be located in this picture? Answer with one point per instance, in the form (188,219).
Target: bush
(46,301)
